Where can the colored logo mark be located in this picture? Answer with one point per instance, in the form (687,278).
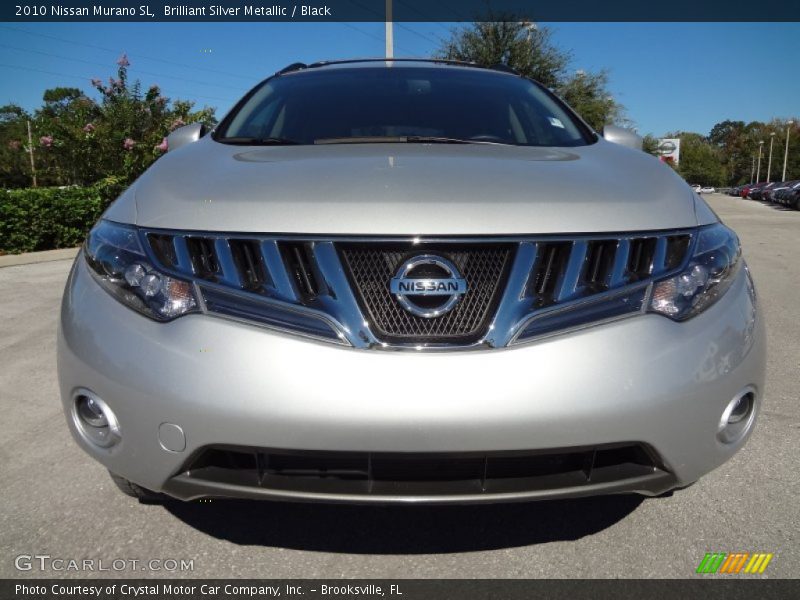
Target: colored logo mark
(735,562)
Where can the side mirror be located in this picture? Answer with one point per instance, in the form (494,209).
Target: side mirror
(622,136)
(185,135)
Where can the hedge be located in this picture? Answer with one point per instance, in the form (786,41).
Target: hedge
(47,218)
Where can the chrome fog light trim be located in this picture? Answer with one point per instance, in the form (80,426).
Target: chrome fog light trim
(93,418)
(738,417)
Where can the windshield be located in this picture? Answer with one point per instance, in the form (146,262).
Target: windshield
(401,104)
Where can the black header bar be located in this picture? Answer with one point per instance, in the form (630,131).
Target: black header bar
(733,587)
(402,10)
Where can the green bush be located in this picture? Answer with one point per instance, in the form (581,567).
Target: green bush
(47,218)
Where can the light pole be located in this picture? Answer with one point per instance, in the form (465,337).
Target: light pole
(769,162)
(758,173)
(786,152)
(389,30)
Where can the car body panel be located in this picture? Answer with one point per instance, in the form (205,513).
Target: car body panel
(640,378)
(665,386)
(408,189)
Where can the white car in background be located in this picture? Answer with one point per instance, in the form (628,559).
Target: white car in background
(707,190)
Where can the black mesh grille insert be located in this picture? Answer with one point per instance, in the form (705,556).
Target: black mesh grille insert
(484,266)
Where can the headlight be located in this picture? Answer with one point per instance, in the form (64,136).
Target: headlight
(120,265)
(714,264)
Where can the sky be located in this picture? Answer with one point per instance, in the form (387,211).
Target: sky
(669,76)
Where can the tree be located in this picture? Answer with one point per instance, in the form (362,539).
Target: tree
(14,159)
(700,161)
(587,93)
(528,48)
(523,46)
(79,141)
(650,144)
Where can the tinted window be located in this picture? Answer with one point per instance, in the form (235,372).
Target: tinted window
(400,101)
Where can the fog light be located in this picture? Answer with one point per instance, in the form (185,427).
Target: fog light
(89,410)
(95,420)
(738,417)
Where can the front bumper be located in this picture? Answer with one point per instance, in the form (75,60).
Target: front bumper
(644,379)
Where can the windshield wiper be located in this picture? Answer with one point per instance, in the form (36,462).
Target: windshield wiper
(405,139)
(428,139)
(362,139)
(256,141)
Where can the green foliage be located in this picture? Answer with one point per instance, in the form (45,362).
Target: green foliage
(588,94)
(528,48)
(14,165)
(78,141)
(650,144)
(46,218)
(729,154)
(524,46)
(700,161)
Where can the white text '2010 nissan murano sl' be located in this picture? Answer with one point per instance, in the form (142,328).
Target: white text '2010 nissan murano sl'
(408,281)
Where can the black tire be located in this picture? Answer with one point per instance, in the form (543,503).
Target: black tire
(133,490)
(670,493)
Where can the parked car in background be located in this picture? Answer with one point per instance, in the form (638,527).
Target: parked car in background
(792,198)
(751,189)
(757,192)
(697,188)
(787,193)
(769,193)
(707,190)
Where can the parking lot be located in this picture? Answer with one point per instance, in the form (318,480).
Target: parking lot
(59,502)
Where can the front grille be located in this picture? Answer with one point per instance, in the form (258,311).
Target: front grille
(422,474)
(484,266)
(339,289)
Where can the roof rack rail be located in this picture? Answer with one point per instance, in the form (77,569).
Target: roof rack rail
(505,68)
(296,66)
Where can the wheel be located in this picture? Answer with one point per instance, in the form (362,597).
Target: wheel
(133,490)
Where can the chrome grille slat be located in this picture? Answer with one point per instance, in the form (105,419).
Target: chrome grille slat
(527,277)
(182,255)
(516,302)
(229,273)
(277,271)
(569,287)
(659,256)
(618,270)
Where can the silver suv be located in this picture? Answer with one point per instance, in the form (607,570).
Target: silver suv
(408,281)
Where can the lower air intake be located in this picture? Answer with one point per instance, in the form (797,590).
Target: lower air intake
(418,474)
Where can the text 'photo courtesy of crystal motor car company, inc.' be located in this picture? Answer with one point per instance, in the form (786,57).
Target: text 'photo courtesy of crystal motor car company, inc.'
(440,285)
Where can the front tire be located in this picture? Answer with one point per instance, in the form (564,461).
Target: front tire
(133,490)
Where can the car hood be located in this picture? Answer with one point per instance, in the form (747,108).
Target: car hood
(408,189)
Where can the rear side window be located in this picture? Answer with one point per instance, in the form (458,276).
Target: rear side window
(400,101)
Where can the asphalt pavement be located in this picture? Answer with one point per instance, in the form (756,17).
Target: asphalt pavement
(60,503)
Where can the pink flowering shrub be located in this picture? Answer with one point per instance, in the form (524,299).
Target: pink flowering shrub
(115,129)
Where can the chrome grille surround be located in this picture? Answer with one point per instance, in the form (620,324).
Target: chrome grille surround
(371,266)
(301,285)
